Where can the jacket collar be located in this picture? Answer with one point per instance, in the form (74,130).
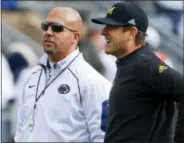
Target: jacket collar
(44,60)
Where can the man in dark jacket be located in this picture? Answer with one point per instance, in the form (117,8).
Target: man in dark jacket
(145,91)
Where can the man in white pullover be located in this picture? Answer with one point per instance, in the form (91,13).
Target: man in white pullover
(64,98)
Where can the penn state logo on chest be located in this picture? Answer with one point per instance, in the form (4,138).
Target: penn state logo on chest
(64,89)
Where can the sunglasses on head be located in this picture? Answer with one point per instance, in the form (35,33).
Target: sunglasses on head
(56,27)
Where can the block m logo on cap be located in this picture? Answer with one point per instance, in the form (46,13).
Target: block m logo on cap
(110,10)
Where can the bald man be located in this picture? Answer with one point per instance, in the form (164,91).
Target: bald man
(64,98)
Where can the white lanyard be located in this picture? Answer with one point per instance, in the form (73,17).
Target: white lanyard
(37,97)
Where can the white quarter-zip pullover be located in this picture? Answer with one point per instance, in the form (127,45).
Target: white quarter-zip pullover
(71,104)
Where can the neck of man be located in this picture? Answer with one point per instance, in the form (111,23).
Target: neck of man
(58,56)
(129,50)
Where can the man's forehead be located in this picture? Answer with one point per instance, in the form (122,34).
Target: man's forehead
(56,18)
(58,13)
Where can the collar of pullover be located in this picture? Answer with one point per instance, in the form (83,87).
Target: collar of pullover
(44,61)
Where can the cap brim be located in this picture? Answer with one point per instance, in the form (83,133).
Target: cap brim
(106,21)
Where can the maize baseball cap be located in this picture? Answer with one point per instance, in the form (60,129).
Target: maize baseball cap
(125,14)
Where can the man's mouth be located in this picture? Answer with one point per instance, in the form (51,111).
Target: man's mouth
(48,42)
(108,40)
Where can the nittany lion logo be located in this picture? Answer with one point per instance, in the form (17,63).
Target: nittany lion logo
(64,89)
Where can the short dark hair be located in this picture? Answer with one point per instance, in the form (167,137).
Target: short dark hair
(140,37)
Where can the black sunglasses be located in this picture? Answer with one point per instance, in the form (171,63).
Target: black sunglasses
(56,27)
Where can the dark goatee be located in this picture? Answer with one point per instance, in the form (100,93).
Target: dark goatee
(49,52)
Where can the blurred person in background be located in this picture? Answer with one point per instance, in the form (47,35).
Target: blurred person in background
(10,5)
(64,98)
(154,39)
(145,89)
(7,97)
(98,42)
(21,58)
(181,27)
(86,46)
(172,9)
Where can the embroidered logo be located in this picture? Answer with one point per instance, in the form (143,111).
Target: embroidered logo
(30,86)
(162,68)
(110,10)
(132,21)
(64,89)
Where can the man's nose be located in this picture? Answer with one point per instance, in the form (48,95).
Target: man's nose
(104,31)
(49,31)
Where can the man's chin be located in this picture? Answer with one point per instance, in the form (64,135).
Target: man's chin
(49,51)
(108,52)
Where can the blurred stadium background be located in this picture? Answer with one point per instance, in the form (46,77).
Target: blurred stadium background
(22,39)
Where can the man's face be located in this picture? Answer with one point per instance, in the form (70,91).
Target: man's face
(116,40)
(56,42)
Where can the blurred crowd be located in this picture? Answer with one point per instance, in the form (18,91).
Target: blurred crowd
(165,37)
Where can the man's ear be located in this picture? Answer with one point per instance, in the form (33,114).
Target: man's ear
(76,37)
(134,32)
